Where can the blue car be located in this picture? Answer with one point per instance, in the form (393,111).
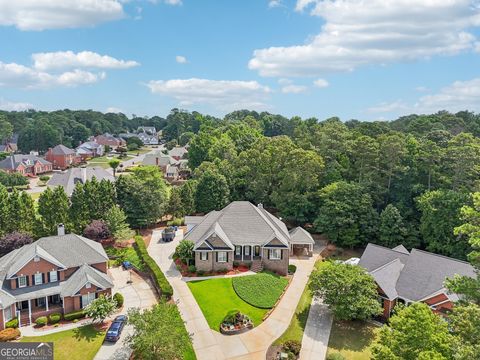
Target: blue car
(116,328)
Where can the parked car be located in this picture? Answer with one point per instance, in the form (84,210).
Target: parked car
(116,328)
(127,265)
(168,234)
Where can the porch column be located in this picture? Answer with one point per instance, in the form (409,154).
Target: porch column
(29,312)
(243,250)
(46,303)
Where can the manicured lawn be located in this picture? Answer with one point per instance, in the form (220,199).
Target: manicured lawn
(126,254)
(77,344)
(141,151)
(352,339)
(299,320)
(216,298)
(260,290)
(102,161)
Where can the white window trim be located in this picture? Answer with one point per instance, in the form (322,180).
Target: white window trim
(247,250)
(275,251)
(223,253)
(19,281)
(88,298)
(8,316)
(203,256)
(35,279)
(56,276)
(238,250)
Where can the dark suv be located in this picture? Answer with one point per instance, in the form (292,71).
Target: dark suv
(116,328)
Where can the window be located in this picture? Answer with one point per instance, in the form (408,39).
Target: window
(38,279)
(53,276)
(41,301)
(222,256)
(87,299)
(203,256)
(247,250)
(22,281)
(8,313)
(238,250)
(275,254)
(88,285)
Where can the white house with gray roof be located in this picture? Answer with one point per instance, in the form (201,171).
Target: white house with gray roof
(243,233)
(61,273)
(406,276)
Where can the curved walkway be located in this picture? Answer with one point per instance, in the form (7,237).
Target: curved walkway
(211,345)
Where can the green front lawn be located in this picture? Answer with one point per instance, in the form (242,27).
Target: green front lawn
(77,344)
(352,339)
(217,298)
(260,290)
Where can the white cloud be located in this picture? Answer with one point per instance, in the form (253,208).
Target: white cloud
(321,83)
(222,94)
(358,33)
(14,106)
(294,89)
(275,3)
(58,14)
(284,81)
(114,110)
(421,89)
(173,2)
(386,107)
(181,59)
(83,59)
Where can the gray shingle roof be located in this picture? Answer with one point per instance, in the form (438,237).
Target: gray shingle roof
(68,179)
(421,275)
(299,235)
(62,150)
(11,162)
(178,151)
(242,223)
(85,274)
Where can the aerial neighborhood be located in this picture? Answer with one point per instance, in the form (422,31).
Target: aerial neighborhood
(240,180)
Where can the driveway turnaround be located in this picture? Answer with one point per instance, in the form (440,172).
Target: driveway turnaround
(138,294)
(211,345)
(317,332)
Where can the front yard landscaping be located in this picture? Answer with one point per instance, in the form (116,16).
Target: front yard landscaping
(352,339)
(260,290)
(77,344)
(217,298)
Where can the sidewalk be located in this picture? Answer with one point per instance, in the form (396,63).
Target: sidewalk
(31,331)
(317,332)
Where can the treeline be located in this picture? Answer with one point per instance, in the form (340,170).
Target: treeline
(384,182)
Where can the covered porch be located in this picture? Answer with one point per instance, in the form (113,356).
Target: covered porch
(247,253)
(31,309)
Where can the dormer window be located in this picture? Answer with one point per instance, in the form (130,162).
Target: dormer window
(36,259)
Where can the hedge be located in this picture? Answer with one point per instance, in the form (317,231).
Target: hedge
(165,288)
(54,318)
(12,323)
(9,334)
(118,299)
(74,315)
(41,321)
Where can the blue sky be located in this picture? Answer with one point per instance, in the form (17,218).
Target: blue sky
(368,60)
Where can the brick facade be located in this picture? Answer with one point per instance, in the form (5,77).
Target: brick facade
(278,266)
(211,264)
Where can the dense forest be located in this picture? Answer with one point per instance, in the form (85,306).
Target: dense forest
(403,181)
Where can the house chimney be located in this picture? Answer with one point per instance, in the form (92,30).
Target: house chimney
(260,205)
(61,230)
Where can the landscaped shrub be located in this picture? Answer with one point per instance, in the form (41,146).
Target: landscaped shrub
(12,323)
(222,271)
(97,230)
(335,356)
(44,178)
(192,269)
(74,315)
(236,264)
(175,222)
(184,250)
(118,299)
(54,318)
(200,272)
(165,288)
(292,346)
(261,290)
(9,334)
(292,269)
(41,321)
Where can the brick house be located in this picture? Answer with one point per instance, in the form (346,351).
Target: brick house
(406,277)
(62,157)
(178,152)
(89,149)
(243,233)
(26,164)
(110,140)
(59,274)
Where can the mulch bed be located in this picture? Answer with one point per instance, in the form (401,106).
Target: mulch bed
(184,270)
(272,352)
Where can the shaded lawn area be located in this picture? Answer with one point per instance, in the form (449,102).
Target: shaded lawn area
(299,320)
(141,151)
(352,339)
(261,290)
(217,298)
(126,254)
(77,344)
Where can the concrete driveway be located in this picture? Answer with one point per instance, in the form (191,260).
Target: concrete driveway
(138,294)
(211,345)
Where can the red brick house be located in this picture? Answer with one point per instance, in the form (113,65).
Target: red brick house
(110,140)
(26,164)
(407,277)
(62,157)
(60,274)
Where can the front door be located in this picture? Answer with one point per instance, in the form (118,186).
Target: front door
(23,305)
(257,251)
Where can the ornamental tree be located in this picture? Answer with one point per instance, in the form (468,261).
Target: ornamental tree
(101,308)
(348,290)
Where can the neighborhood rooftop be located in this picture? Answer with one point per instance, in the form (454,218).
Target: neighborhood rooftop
(71,177)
